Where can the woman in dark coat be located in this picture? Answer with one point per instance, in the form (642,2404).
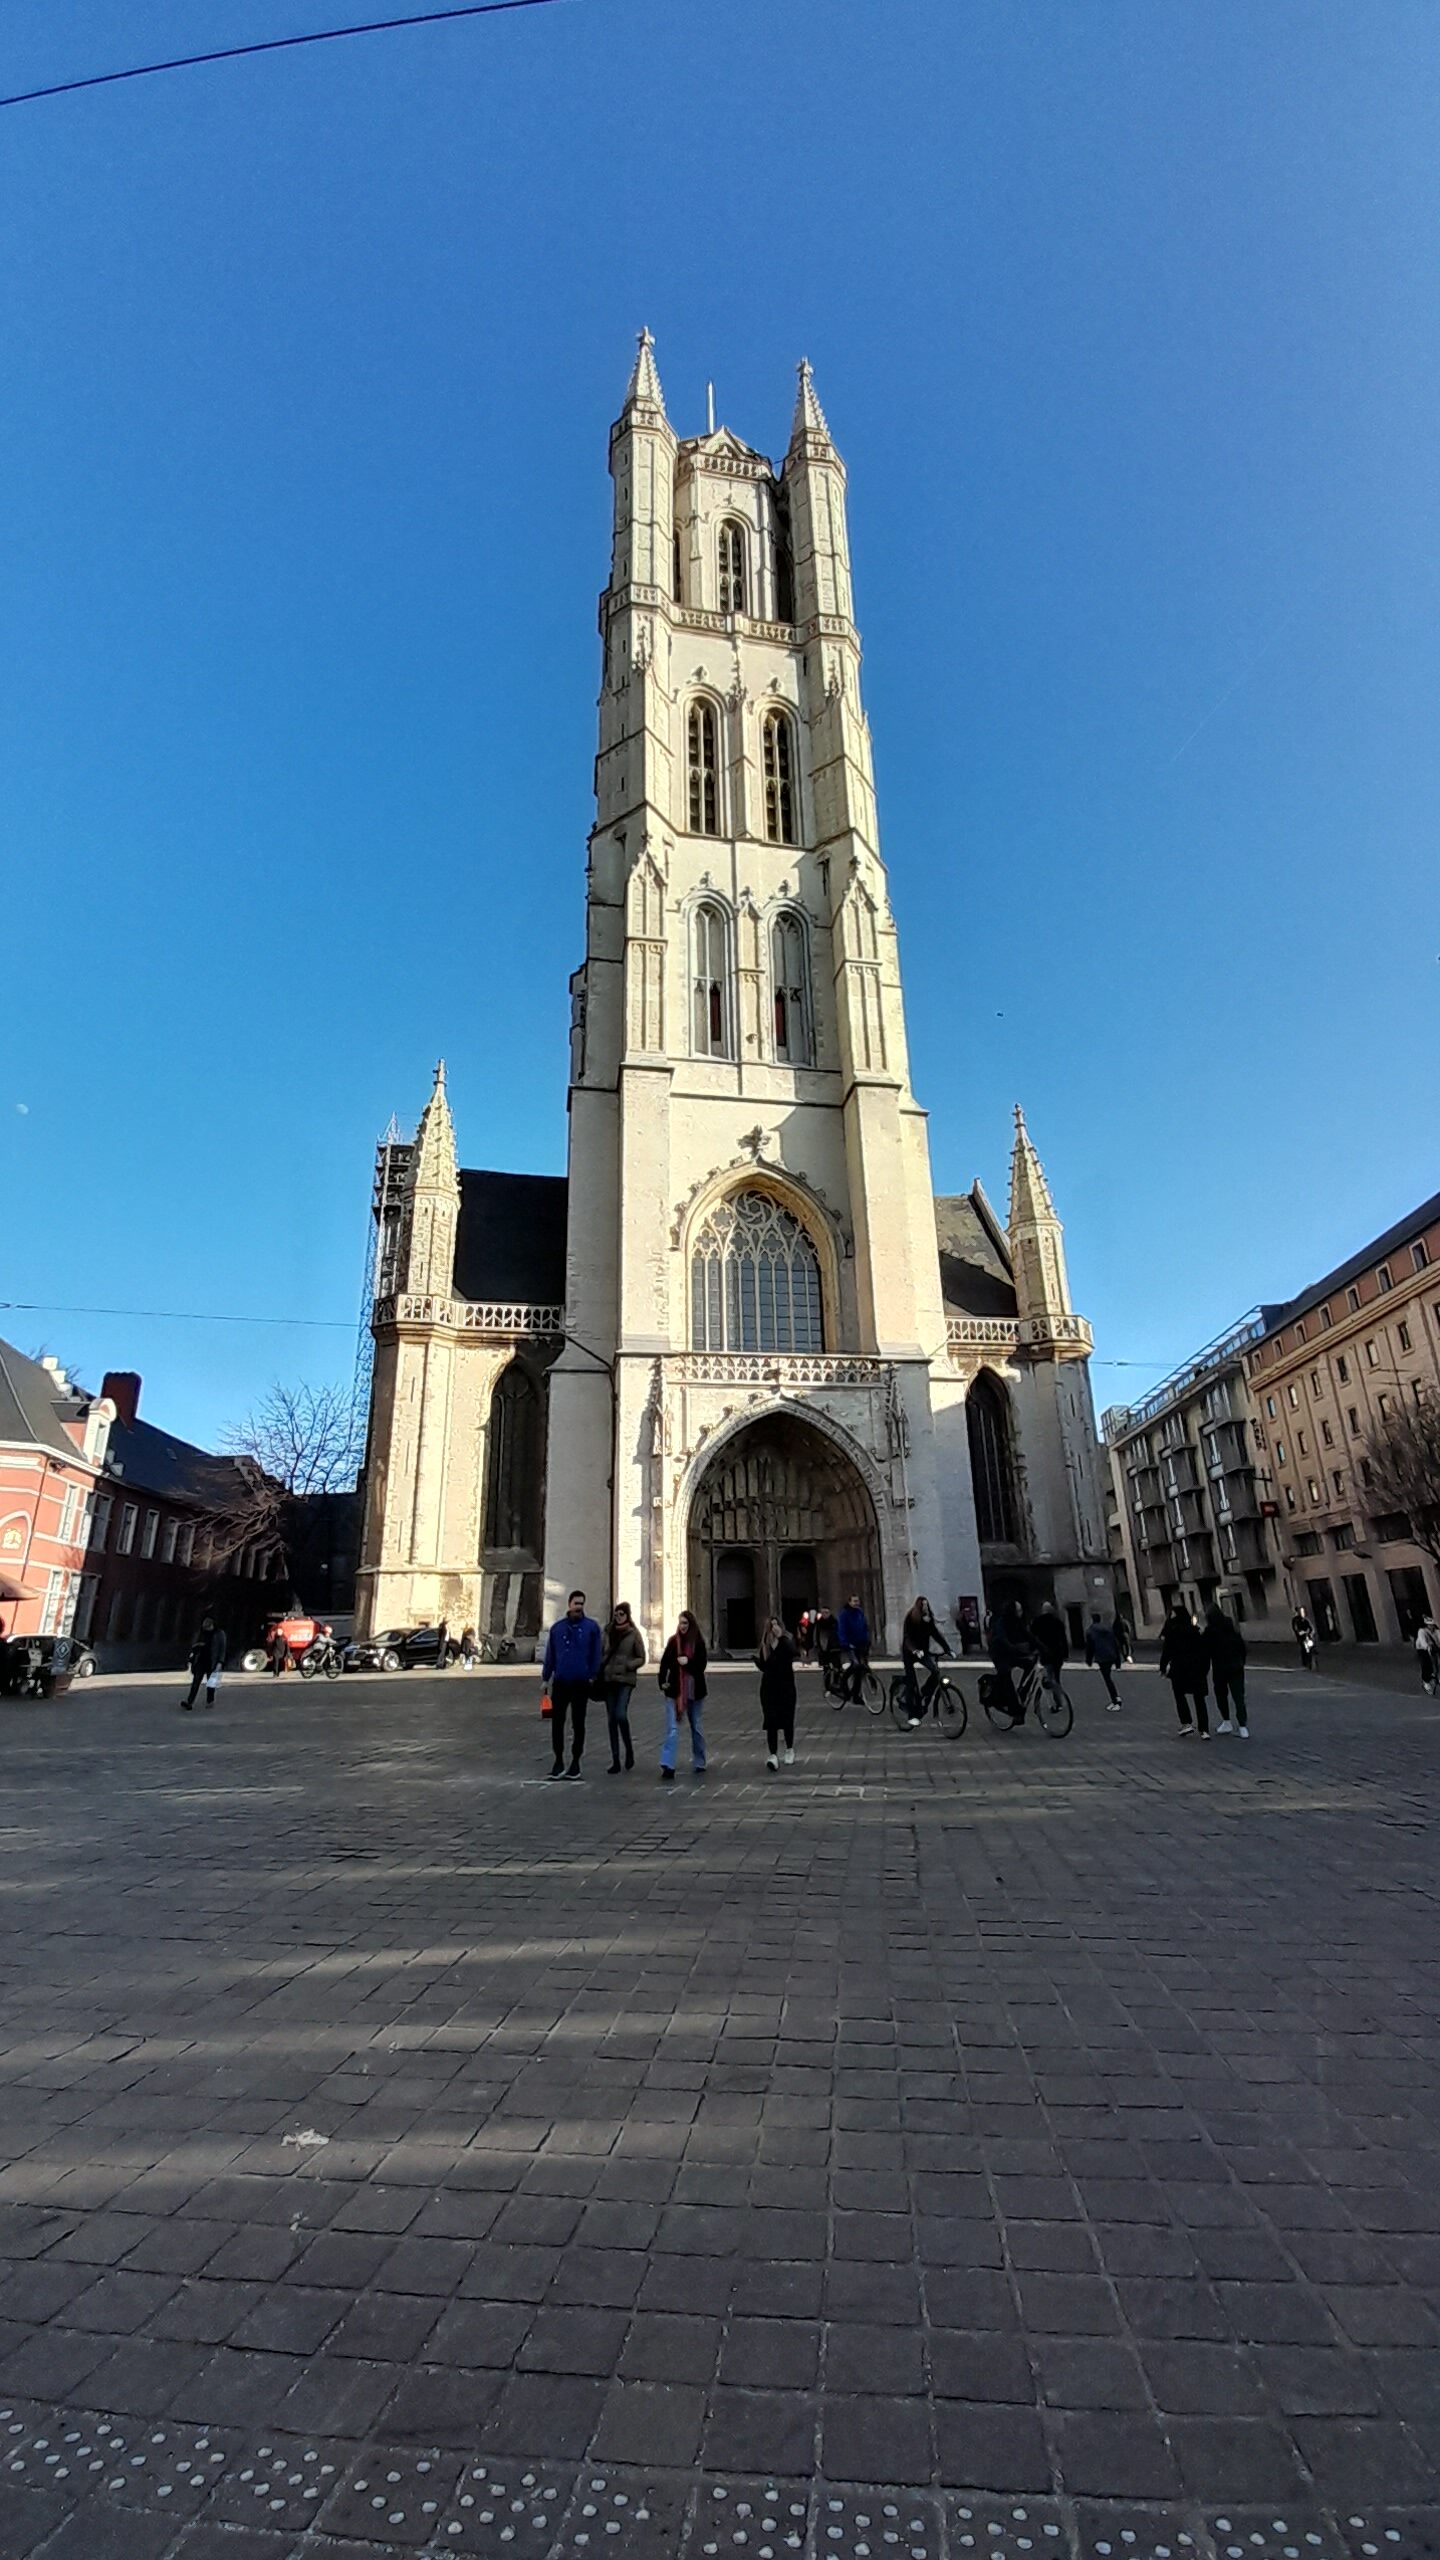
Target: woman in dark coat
(776,1663)
(682,1679)
(920,1641)
(1227,1670)
(1185,1663)
(1012,1650)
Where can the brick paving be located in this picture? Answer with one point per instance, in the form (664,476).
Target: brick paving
(935,2150)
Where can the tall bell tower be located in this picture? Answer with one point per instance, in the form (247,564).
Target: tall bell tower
(751,1220)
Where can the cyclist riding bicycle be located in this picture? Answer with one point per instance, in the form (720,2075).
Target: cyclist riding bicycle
(920,1640)
(852,1637)
(1012,1649)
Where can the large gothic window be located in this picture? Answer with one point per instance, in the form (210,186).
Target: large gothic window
(754,1280)
(790,973)
(991,1465)
(515,1471)
(732,568)
(702,763)
(778,761)
(710,999)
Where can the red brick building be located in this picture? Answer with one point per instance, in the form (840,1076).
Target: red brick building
(53,1441)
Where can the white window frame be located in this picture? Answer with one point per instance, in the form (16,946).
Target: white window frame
(129,1514)
(187,1543)
(170,1531)
(100,1523)
(706,980)
(150,1530)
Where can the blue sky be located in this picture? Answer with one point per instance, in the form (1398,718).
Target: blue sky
(1125,322)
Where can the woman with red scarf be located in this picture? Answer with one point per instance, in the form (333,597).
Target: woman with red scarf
(682,1678)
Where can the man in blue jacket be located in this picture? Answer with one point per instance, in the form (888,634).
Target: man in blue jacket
(572,1660)
(852,1634)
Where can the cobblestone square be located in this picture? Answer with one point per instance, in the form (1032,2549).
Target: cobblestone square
(1005,2146)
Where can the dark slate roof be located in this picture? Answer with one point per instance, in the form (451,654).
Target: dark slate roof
(511,1238)
(974,1267)
(1402,1233)
(156,1462)
(32,1406)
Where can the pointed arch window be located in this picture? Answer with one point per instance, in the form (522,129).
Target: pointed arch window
(515,1468)
(777,747)
(702,757)
(676,580)
(790,980)
(754,1280)
(710,998)
(733,568)
(992,1469)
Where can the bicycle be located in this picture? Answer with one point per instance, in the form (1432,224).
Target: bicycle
(495,1649)
(323,1655)
(1040,1693)
(855,1680)
(951,1712)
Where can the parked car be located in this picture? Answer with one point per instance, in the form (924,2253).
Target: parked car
(43,1666)
(400,1649)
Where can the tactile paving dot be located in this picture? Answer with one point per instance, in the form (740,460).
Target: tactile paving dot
(625,2514)
(1145,2536)
(1392,2536)
(1274,2533)
(278,2485)
(1006,2529)
(156,2467)
(749,2522)
(504,2511)
(395,2498)
(876,2524)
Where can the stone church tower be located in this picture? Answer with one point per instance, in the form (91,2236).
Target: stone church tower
(774,1368)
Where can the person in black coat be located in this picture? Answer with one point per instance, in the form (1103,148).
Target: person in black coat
(207,1661)
(776,1664)
(1012,1649)
(1227,1670)
(1185,1663)
(1102,1652)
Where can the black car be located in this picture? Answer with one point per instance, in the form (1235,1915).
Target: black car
(43,1666)
(400,1649)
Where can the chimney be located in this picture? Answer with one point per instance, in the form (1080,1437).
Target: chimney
(122,1386)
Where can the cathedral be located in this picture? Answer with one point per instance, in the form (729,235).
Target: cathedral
(740,1358)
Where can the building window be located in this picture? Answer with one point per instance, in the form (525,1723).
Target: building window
(148,1533)
(1289,1497)
(69,1510)
(1326,1319)
(1352,1416)
(710,1010)
(1384,1402)
(127,1528)
(1352,1298)
(1315,1388)
(702,757)
(1312,1489)
(1292,1398)
(85,1603)
(992,1471)
(1327,1435)
(1419,1256)
(777,744)
(58,1602)
(1344,1536)
(1338,1481)
(515,1465)
(100,1523)
(1383,1280)
(1270,1407)
(168,1536)
(754,1279)
(1372,1354)
(1342,1369)
(789,962)
(1279,1453)
(1367,1473)
(187,1543)
(1402,1336)
(732,568)
(675,577)
(1300,1331)
(1302,1444)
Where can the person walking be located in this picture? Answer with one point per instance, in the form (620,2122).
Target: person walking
(920,1641)
(1304,1634)
(1227,1670)
(279,1653)
(622,1665)
(1102,1652)
(682,1679)
(469,1650)
(1051,1640)
(572,1662)
(1184,1662)
(1012,1650)
(776,1663)
(207,1661)
(1427,1653)
(852,1634)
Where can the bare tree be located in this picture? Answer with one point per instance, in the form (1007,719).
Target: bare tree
(1404,1455)
(305,1439)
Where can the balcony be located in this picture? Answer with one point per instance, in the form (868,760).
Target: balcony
(507,1320)
(776,1369)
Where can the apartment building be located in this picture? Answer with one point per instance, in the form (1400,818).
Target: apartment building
(1190,1511)
(1325,1372)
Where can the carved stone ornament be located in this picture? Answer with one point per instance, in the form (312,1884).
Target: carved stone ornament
(753,1143)
(643,650)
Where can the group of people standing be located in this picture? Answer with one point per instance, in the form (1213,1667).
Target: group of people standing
(1196,1654)
(584,1661)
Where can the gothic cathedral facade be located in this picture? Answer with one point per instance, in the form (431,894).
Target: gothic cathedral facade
(741,1358)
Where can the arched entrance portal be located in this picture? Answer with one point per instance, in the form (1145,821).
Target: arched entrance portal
(780,1520)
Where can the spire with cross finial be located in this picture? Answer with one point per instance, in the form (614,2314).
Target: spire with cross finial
(810,418)
(432,1207)
(644,390)
(1037,1239)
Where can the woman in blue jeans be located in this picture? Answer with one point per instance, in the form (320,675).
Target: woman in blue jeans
(621,1668)
(682,1678)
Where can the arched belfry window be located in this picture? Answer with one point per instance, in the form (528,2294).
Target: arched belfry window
(790,978)
(515,1465)
(777,746)
(732,569)
(710,1003)
(754,1279)
(702,758)
(992,1469)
